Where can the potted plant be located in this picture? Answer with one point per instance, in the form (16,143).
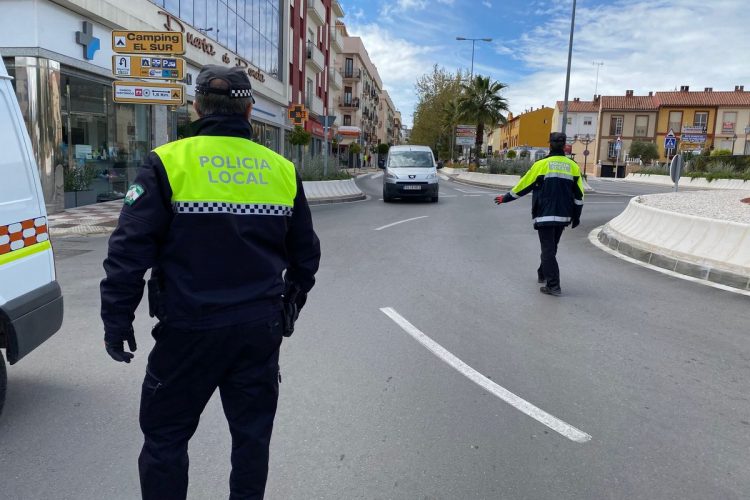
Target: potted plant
(77,184)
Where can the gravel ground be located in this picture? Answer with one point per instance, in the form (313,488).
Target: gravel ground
(722,205)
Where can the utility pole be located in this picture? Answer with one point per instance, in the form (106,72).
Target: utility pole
(567,76)
(598,65)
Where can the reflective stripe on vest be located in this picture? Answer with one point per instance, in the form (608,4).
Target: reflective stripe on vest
(218,174)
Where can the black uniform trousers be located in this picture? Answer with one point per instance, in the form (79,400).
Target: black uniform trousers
(184,369)
(549,237)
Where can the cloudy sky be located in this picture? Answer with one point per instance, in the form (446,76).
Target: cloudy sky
(644,44)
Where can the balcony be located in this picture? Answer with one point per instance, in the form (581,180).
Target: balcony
(349,103)
(335,81)
(352,73)
(337,42)
(315,59)
(316,12)
(316,106)
(336,8)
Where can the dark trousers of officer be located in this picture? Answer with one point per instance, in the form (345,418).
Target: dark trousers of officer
(549,237)
(184,369)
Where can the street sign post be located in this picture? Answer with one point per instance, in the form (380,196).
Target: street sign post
(148,67)
(170,94)
(328,121)
(675,170)
(148,42)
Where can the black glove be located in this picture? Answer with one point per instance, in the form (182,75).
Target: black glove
(575,223)
(114,344)
(294,300)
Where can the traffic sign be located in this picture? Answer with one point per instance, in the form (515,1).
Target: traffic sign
(163,68)
(148,42)
(675,170)
(670,142)
(171,94)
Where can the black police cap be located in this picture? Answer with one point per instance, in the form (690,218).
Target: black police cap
(557,138)
(238,83)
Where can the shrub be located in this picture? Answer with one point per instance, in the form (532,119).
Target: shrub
(510,154)
(314,168)
(721,152)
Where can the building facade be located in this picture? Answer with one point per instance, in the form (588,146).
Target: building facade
(622,120)
(581,128)
(530,129)
(87,146)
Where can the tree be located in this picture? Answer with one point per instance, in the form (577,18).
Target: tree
(434,91)
(646,151)
(383,148)
(480,102)
(450,117)
(300,137)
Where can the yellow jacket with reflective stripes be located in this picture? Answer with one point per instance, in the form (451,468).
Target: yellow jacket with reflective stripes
(222,221)
(557,191)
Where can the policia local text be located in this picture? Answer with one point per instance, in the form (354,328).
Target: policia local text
(239,177)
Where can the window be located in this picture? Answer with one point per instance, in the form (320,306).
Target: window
(701,119)
(570,120)
(309,93)
(587,120)
(611,150)
(347,120)
(348,67)
(347,95)
(729,122)
(675,121)
(615,125)
(641,126)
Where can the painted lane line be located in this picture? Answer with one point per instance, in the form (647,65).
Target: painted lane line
(400,222)
(444,177)
(376,175)
(606,202)
(518,403)
(470,192)
(472,195)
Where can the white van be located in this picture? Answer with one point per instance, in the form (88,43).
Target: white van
(31,304)
(410,171)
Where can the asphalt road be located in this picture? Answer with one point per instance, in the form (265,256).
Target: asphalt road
(653,368)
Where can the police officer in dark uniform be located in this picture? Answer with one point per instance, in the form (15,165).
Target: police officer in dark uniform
(224,225)
(556,202)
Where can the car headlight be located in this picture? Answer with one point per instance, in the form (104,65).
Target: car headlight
(391,175)
(431,176)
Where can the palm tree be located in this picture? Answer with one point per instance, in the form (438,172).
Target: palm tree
(480,102)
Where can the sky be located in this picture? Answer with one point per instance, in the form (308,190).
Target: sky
(645,45)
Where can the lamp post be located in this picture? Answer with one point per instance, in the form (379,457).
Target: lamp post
(585,140)
(473,41)
(567,76)
(734,139)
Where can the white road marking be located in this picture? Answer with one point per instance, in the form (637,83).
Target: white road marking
(470,192)
(448,195)
(595,241)
(606,202)
(444,177)
(400,222)
(472,195)
(376,175)
(518,403)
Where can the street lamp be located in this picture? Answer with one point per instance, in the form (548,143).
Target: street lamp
(585,140)
(734,139)
(567,76)
(473,41)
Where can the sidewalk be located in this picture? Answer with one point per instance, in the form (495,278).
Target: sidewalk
(101,218)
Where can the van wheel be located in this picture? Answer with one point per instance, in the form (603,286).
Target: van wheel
(3,382)
(434,199)
(386,198)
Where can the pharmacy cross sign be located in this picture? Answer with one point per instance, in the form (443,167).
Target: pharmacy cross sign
(86,38)
(297,114)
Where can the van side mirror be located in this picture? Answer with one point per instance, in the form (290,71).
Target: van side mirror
(440,164)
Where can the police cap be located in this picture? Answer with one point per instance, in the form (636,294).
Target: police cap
(236,79)
(557,138)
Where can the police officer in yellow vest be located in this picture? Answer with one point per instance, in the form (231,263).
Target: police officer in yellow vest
(556,201)
(225,226)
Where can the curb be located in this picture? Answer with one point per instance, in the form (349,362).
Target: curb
(610,239)
(340,199)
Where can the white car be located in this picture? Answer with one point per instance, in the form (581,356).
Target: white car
(31,304)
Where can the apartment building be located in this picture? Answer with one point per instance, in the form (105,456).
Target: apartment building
(397,129)
(314,48)
(386,119)
(529,129)
(704,119)
(360,98)
(622,120)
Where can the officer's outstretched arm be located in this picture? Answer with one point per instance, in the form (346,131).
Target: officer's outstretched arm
(133,247)
(302,244)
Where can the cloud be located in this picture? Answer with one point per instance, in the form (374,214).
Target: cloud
(487,4)
(644,46)
(400,6)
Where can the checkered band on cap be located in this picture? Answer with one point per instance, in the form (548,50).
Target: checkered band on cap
(23,234)
(218,207)
(241,93)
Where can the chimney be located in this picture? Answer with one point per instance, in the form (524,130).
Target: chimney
(685,88)
(651,93)
(739,88)
(576,99)
(596,97)
(628,93)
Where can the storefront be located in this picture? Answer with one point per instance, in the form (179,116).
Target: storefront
(87,146)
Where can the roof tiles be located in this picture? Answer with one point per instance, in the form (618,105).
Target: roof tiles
(580,106)
(629,103)
(720,98)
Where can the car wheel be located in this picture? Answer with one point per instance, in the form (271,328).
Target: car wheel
(386,197)
(3,382)
(434,199)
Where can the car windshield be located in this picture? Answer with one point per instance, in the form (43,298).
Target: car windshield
(410,159)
